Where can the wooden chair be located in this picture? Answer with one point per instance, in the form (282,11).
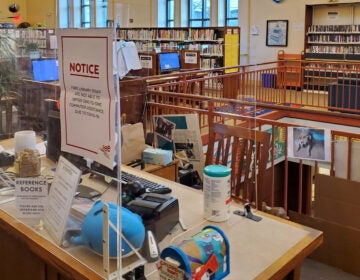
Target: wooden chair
(244,151)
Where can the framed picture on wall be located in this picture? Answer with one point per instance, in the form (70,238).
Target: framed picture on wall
(277,33)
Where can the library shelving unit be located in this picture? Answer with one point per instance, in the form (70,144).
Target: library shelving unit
(332,34)
(290,72)
(339,42)
(30,35)
(218,46)
(39,36)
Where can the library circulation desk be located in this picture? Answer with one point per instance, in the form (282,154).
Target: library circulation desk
(270,249)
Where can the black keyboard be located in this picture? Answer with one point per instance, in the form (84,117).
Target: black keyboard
(151,187)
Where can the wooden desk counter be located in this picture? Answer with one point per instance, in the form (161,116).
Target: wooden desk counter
(270,249)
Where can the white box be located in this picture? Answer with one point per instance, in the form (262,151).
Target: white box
(157,156)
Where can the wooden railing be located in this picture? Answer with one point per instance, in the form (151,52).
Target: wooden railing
(324,85)
(272,108)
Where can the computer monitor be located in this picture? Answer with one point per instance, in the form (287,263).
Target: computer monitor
(45,69)
(169,61)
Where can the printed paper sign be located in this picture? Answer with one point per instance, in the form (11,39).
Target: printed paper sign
(31,197)
(309,143)
(87,105)
(146,61)
(61,195)
(191,57)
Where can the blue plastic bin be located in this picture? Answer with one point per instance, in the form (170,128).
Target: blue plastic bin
(268,80)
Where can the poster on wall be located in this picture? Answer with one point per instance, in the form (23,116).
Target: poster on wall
(309,143)
(87,93)
(277,33)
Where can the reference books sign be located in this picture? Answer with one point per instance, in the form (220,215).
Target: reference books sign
(87,104)
(31,196)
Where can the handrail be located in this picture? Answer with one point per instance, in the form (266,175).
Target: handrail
(270,105)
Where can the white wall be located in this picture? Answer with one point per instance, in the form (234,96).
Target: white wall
(134,13)
(263,10)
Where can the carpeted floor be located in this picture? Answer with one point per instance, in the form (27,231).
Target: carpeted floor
(313,270)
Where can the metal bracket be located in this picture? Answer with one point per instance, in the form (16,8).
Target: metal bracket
(247,213)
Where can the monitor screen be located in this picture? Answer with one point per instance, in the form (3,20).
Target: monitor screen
(169,61)
(45,70)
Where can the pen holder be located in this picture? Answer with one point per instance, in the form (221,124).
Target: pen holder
(207,252)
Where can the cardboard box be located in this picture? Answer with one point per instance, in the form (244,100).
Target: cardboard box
(157,156)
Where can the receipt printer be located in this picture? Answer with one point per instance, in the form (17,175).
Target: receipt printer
(160,212)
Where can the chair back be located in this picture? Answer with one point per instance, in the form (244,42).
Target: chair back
(246,152)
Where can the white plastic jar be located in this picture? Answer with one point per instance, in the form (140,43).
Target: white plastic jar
(217,193)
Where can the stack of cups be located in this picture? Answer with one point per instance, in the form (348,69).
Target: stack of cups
(217,193)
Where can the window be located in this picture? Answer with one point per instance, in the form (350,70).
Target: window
(101,13)
(85,13)
(231,12)
(169,13)
(199,13)
(82,13)
(64,11)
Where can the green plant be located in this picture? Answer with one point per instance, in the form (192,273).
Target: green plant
(9,76)
(31,46)
(7,47)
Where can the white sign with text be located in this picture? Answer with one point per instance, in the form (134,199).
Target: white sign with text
(88,99)
(31,197)
(61,196)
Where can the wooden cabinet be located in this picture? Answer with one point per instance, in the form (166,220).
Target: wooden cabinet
(289,71)
(35,100)
(132,99)
(169,171)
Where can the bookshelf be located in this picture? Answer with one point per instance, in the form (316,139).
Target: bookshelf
(209,41)
(39,36)
(332,32)
(22,37)
(333,42)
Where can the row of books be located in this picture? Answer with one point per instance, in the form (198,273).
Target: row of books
(169,34)
(333,38)
(317,66)
(25,33)
(210,63)
(205,50)
(151,46)
(209,49)
(334,28)
(335,49)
